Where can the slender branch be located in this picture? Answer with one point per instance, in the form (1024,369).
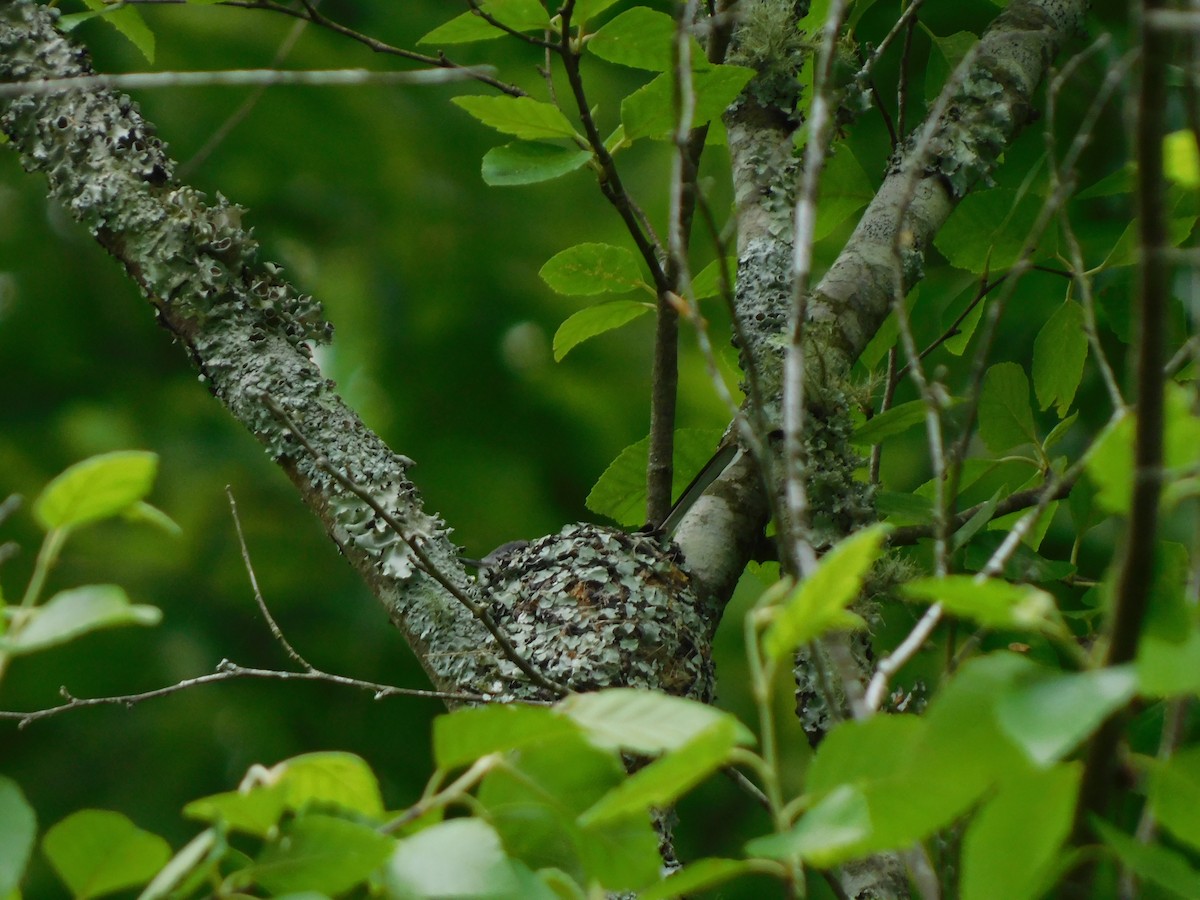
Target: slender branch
(1130,597)
(904,22)
(230,671)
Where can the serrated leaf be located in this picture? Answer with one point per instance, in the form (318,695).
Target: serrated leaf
(645,722)
(69,614)
(530,163)
(649,111)
(592,268)
(96,488)
(522,117)
(1005,416)
(663,781)
(640,38)
(520,15)
(1059,352)
(1048,715)
(319,853)
(991,603)
(988,229)
(839,821)
(620,493)
(818,603)
(129,22)
(18,831)
(96,852)
(593,321)
(461,737)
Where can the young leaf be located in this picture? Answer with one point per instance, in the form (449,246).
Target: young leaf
(254,810)
(461,737)
(639,38)
(587,269)
(595,320)
(458,858)
(329,778)
(1047,716)
(69,614)
(620,493)
(96,852)
(1028,819)
(645,722)
(520,15)
(839,821)
(18,831)
(320,853)
(530,163)
(666,779)
(991,603)
(818,603)
(1005,416)
(649,111)
(522,117)
(96,488)
(1059,353)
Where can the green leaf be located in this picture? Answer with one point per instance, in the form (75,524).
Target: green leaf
(702,875)
(972,526)
(1048,715)
(586,10)
(708,282)
(596,320)
(818,604)
(142,512)
(650,111)
(839,821)
(991,603)
(944,56)
(522,117)
(1059,353)
(1175,795)
(856,752)
(1027,820)
(129,22)
(459,858)
(69,614)
(640,38)
(463,736)
(96,488)
(988,229)
(1152,863)
(1180,159)
(321,853)
(520,15)
(18,831)
(530,163)
(646,722)
(891,422)
(587,269)
(96,852)
(1126,253)
(620,493)
(900,508)
(1005,416)
(533,796)
(666,779)
(845,189)
(254,810)
(1169,668)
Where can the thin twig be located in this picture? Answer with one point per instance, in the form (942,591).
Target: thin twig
(422,558)
(229,671)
